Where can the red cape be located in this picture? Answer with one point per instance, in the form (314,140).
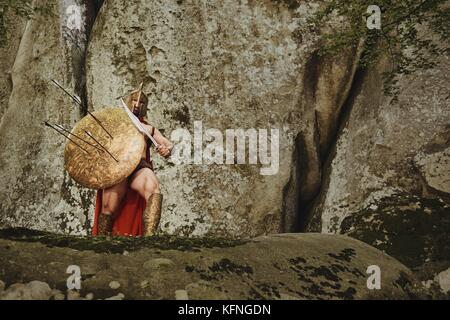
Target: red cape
(128,221)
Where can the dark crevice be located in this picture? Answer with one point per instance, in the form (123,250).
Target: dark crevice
(305,154)
(97,5)
(76,45)
(291,191)
(93,8)
(93,11)
(310,160)
(306,211)
(309,167)
(311,78)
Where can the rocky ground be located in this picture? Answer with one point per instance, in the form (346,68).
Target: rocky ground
(281,266)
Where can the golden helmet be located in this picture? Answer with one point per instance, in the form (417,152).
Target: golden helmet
(132,98)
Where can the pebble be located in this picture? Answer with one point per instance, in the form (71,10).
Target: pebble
(119,296)
(114,285)
(89,296)
(158,263)
(443,279)
(59,296)
(73,295)
(181,295)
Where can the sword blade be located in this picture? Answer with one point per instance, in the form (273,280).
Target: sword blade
(138,123)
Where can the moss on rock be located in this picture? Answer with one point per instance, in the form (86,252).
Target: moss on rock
(103,244)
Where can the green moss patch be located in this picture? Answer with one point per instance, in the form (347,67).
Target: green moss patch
(412,229)
(103,244)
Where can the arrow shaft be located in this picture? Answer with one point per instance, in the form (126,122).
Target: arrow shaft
(87,142)
(67,137)
(75,99)
(92,137)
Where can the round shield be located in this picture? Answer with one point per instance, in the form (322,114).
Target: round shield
(105,149)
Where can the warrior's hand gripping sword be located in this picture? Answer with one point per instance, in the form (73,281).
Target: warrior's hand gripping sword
(138,123)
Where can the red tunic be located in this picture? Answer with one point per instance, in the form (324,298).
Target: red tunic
(128,221)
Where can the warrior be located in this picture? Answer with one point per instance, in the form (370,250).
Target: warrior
(132,207)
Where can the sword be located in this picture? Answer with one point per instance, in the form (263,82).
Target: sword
(138,123)
(139,96)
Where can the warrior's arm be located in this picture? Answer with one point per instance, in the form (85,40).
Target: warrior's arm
(165,146)
(162,140)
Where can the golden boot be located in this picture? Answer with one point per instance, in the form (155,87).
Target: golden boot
(152,214)
(105,223)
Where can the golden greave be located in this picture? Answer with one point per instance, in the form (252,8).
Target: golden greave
(152,214)
(104,225)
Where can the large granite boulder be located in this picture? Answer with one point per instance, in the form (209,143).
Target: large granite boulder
(35,191)
(387,177)
(242,65)
(284,266)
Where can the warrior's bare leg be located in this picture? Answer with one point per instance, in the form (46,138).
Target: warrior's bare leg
(112,197)
(146,184)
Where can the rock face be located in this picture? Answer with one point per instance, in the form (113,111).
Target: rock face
(433,163)
(249,65)
(35,191)
(241,65)
(8,54)
(287,266)
(387,181)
